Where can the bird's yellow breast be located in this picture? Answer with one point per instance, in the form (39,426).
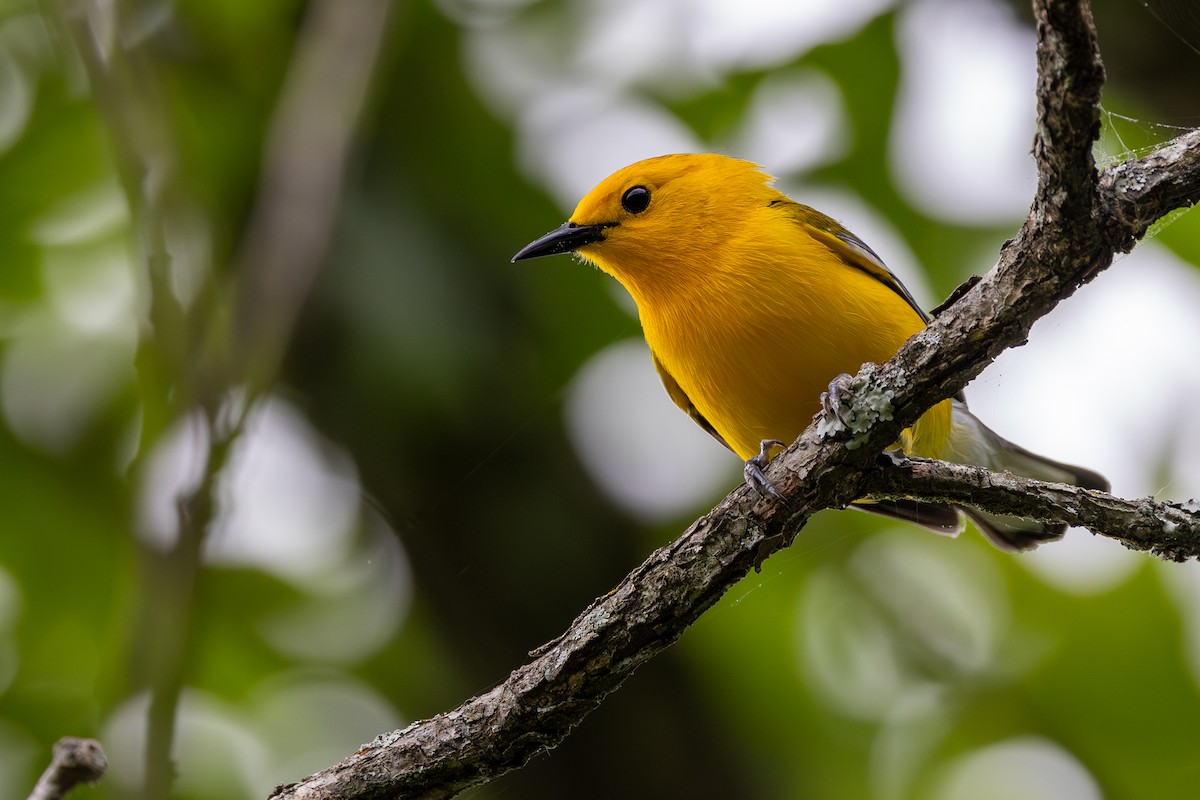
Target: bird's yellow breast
(755,326)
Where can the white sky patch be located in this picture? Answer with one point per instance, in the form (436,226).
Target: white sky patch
(289,504)
(353,609)
(216,753)
(54,380)
(309,719)
(573,139)
(509,65)
(67,358)
(291,724)
(92,287)
(672,45)
(631,41)
(98,212)
(641,449)
(760,33)
(288,499)
(796,120)
(1104,382)
(1023,768)
(175,466)
(963,129)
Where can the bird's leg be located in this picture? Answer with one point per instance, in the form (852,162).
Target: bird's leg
(839,395)
(754,469)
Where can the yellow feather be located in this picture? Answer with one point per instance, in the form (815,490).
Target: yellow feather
(748,312)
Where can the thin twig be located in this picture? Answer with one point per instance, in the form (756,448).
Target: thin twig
(307,152)
(1135,194)
(1167,529)
(75,761)
(305,159)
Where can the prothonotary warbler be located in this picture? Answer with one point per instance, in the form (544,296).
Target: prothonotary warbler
(753,303)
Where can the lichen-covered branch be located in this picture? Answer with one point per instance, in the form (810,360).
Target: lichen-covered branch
(1078,220)
(1137,193)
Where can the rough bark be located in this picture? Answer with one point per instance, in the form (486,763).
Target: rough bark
(75,761)
(1170,530)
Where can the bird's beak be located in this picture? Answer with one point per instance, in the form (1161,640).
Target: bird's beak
(563,239)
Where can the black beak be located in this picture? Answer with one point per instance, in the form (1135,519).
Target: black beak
(563,239)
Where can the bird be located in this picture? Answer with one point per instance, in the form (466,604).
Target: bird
(757,308)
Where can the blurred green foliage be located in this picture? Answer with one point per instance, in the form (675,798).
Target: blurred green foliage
(428,375)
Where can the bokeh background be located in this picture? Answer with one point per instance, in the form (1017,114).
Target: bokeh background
(460,453)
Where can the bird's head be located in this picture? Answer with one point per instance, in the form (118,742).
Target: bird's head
(653,223)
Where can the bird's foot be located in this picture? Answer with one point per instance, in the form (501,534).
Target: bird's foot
(840,395)
(754,469)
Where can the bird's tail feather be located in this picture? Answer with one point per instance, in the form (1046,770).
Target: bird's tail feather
(934,517)
(972,442)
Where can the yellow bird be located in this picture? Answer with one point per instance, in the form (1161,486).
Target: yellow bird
(753,303)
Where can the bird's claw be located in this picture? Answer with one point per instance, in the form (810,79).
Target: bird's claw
(754,469)
(840,394)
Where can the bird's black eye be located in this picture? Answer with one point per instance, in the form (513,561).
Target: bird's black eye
(636,199)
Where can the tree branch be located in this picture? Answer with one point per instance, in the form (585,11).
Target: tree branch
(1135,194)
(307,153)
(75,761)
(1166,529)
(1077,221)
